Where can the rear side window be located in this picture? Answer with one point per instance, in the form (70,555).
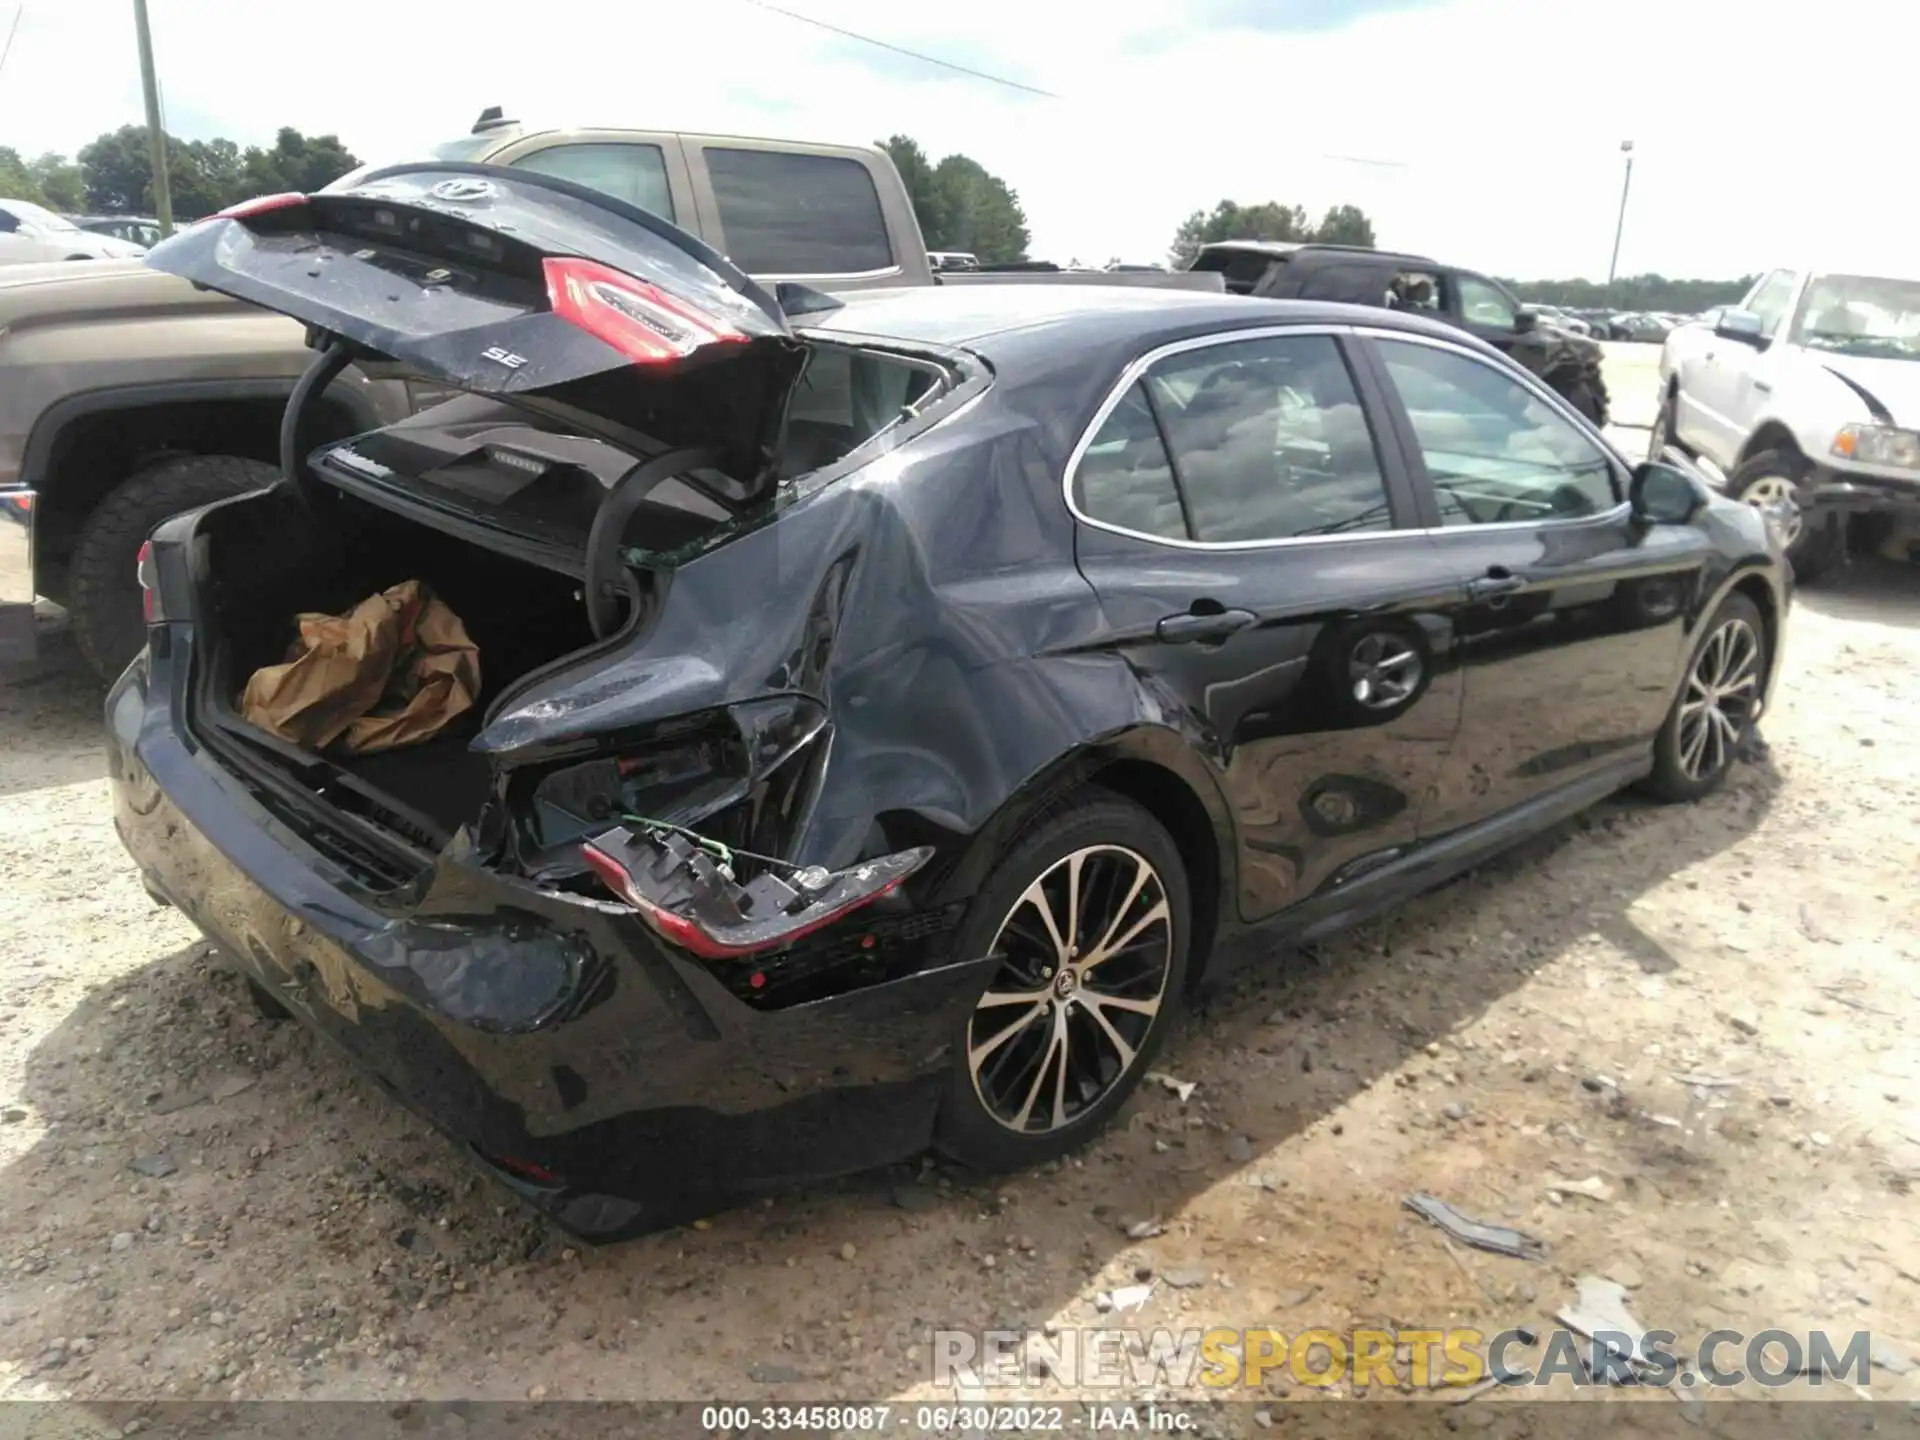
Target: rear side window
(1124,479)
(636,174)
(1267,442)
(788,214)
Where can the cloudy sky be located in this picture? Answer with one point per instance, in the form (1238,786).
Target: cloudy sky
(1486,131)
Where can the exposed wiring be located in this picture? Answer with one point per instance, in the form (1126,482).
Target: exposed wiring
(902,50)
(720,850)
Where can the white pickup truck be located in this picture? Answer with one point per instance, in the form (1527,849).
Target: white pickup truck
(1807,391)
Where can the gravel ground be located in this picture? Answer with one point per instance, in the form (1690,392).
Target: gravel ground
(196,1203)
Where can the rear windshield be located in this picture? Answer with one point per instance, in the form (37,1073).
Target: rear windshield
(846,397)
(634,172)
(524,473)
(788,214)
(1240,270)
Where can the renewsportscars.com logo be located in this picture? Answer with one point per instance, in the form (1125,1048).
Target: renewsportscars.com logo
(1222,1358)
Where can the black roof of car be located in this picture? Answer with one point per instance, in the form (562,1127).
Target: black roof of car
(992,319)
(1288,249)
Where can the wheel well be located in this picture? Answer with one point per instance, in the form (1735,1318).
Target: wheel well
(1169,799)
(1770,436)
(97,450)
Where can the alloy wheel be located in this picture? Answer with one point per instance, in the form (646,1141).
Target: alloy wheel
(1084,957)
(1383,670)
(1775,492)
(1723,689)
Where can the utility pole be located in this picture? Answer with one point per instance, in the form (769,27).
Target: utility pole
(1626,148)
(156,137)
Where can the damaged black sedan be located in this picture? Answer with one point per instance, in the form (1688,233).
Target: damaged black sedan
(880,709)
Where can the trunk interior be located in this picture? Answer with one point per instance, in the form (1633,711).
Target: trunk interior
(481,463)
(267,565)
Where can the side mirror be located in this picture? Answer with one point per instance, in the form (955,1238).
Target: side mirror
(1741,325)
(1664,495)
(1524,321)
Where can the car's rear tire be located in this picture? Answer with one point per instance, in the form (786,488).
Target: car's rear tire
(1773,475)
(1715,707)
(1033,1085)
(103,590)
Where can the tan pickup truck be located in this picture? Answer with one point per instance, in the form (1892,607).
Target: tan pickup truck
(127,396)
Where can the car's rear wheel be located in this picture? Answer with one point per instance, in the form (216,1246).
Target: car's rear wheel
(103,590)
(1719,701)
(1088,921)
(1772,477)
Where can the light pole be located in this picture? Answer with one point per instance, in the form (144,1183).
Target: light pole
(1626,148)
(156,137)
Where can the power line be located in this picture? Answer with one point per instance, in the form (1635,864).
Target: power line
(1363,160)
(902,50)
(12,30)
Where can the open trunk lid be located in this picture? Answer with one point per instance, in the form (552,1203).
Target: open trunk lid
(507,283)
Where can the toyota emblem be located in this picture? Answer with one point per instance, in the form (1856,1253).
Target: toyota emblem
(463,190)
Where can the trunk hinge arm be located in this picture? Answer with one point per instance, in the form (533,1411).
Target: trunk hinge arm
(603,591)
(322,372)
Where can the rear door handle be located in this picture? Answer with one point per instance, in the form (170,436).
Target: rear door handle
(1763,387)
(1188,628)
(1493,587)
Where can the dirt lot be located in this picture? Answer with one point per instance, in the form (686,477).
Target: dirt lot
(197,1203)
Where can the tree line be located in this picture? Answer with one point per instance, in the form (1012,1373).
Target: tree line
(960,205)
(1635,292)
(113,174)
(1271,220)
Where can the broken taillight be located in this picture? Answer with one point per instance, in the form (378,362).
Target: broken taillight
(149,576)
(641,321)
(688,900)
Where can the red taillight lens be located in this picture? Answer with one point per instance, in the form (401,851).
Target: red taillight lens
(688,933)
(641,321)
(261,204)
(149,576)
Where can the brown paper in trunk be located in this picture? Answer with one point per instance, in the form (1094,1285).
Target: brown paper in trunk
(396,670)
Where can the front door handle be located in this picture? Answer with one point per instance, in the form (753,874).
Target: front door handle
(1188,628)
(1763,387)
(1494,585)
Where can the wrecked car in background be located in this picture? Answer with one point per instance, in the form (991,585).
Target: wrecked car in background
(1481,306)
(1805,397)
(886,703)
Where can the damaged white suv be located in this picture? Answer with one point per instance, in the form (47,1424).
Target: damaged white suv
(1806,396)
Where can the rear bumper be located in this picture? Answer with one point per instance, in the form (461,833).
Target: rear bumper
(552,1033)
(17,642)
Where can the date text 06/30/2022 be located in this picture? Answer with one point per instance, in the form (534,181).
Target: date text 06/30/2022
(962,1418)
